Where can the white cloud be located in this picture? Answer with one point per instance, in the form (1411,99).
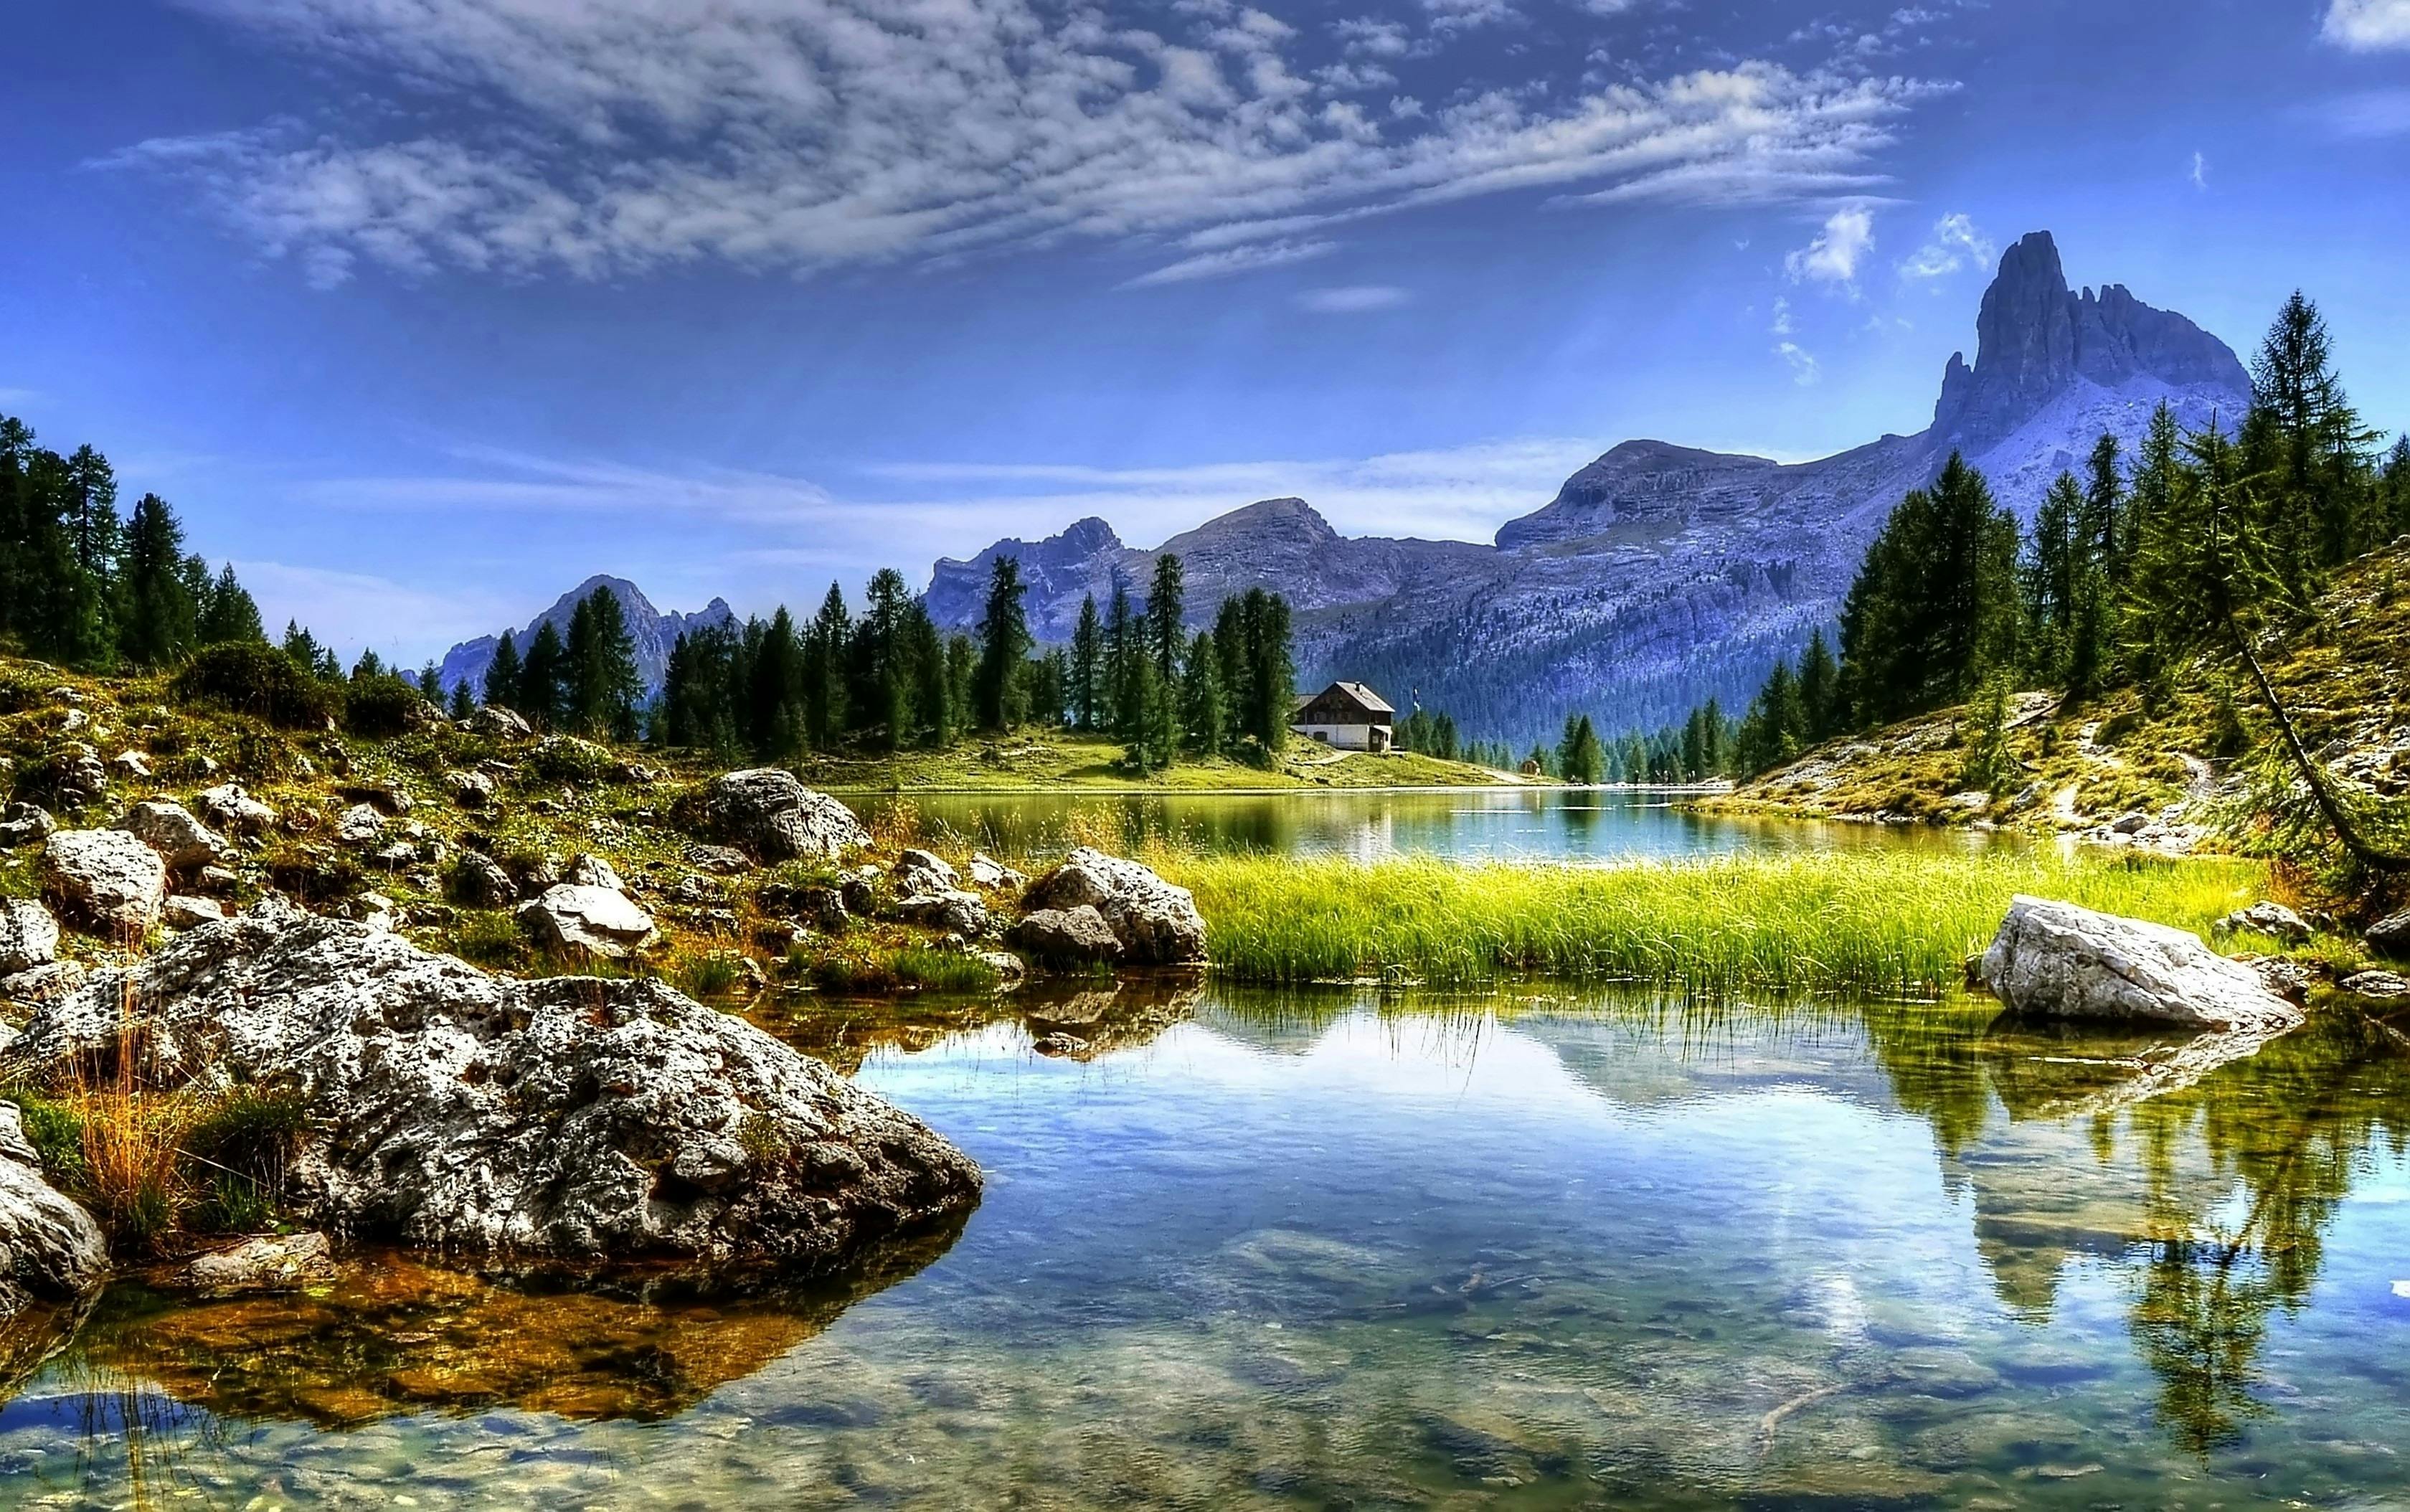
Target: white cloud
(490,477)
(1239,259)
(1804,369)
(1462,493)
(2200,174)
(1833,255)
(1449,16)
(1782,326)
(1955,244)
(2368,25)
(2370,114)
(609,138)
(1352,298)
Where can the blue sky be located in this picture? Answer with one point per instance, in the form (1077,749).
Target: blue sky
(421,311)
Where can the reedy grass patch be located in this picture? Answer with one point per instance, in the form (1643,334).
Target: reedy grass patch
(1879,923)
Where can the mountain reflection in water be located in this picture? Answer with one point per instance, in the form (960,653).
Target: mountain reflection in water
(1305,1248)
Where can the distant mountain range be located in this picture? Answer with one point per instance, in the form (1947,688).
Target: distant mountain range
(1659,574)
(653,631)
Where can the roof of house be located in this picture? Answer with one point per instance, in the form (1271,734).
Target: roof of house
(1354,693)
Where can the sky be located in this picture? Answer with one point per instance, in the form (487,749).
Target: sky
(420,312)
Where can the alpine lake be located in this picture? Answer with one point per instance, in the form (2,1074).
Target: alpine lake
(1345,1247)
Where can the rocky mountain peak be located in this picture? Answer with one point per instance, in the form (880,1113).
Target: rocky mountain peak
(1291,522)
(2036,339)
(653,631)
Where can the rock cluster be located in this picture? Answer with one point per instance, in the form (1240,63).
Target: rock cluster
(1155,922)
(2060,960)
(573,1117)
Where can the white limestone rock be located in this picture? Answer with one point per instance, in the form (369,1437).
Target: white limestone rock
(1156,922)
(106,879)
(597,919)
(182,841)
(29,937)
(771,814)
(50,1250)
(2057,960)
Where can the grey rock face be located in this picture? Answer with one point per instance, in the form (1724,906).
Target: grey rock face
(27,824)
(598,920)
(184,911)
(770,813)
(235,811)
(493,720)
(946,907)
(107,880)
(470,789)
(29,937)
(2057,960)
(718,860)
(360,825)
(924,871)
(43,983)
(182,841)
(49,1247)
(585,869)
(1156,922)
(986,871)
(605,1120)
(1067,936)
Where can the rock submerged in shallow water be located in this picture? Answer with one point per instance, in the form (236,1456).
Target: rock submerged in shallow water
(2060,960)
(107,879)
(770,812)
(269,1263)
(577,1117)
(1156,922)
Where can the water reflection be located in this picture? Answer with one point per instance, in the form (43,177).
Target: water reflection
(1316,1247)
(1527,823)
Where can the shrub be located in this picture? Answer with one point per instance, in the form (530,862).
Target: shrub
(382,705)
(260,681)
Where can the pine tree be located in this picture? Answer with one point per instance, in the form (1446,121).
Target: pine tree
(1580,759)
(1165,605)
(1121,646)
(1204,714)
(825,715)
(543,679)
(777,722)
(1087,665)
(505,684)
(232,614)
(1819,679)
(2306,453)
(2394,487)
(1934,609)
(1271,672)
(604,687)
(932,690)
(1004,646)
(158,618)
(1989,767)
(464,703)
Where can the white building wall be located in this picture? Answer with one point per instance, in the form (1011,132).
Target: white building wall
(1338,736)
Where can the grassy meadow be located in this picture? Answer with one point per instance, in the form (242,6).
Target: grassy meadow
(1887,923)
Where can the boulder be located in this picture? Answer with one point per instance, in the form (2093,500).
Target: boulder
(43,983)
(949,909)
(1067,936)
(924,871)
(718,860)
(106,879)
(76,778)
(27,824)
(2382,985)
(132,766)
(215,882)
(2273,919)
(470,790)
(268,1263)
(771,814)
(29,937)
(235,811)
(588,870)
(1156,922)
(584,1118)
(500,724)
(596,919)
(482,884)
(988,872)
(50,1250)
(360,825)
(182,841)
(184,911)
(2390,935)
(2057,960)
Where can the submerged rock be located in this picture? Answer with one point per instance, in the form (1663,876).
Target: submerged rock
(2057,960)
(270,1262)
(770,813)
(49,1247)
(107,879)
(1156,922)
(597,1120)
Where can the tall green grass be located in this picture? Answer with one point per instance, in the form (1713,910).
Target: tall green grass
(1874,922)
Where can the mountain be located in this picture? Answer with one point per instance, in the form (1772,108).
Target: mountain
(1659,574)
(653,631)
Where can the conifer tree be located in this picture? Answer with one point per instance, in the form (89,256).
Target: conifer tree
(1580,759)
(232,614)
(1121,646)
(1165,605)
(505,684)
(933,691)
(1004,646)
(2394,487)
(825,715)
(2305,451)
(1204,714)
(606,690)
(1820,690)
(1087,665)
(464,703)
(158,618)
(777,721)
(543,679)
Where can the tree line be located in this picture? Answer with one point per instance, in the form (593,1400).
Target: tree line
(2199,542)
(85,587)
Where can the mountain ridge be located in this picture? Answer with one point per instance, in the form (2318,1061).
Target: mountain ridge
(653,631)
